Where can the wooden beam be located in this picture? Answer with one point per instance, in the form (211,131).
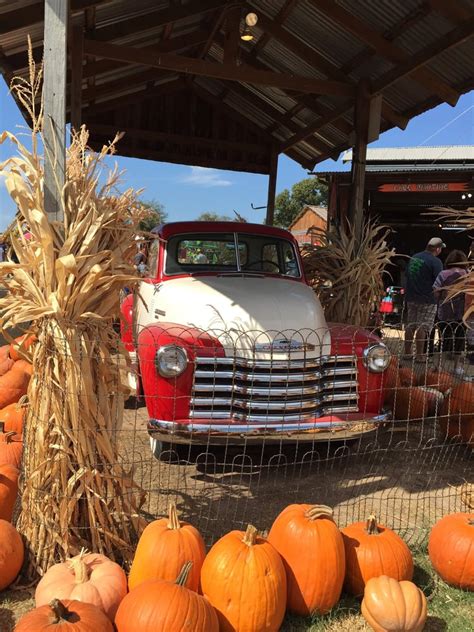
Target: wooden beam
(188,159)
(182,139)
(173,45)
(27,16)
(77,65)
(280,17)
(123,85)
(453,10)
(232,35)
(350,22)
(359,157)
(453,38)
(56,15)
(154,19)
(272,180)
(224,72)
(414,17)
(297,46)
(114,103)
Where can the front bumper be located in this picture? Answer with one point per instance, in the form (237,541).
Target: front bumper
(334,427)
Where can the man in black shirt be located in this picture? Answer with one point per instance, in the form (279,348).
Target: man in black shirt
(422,270)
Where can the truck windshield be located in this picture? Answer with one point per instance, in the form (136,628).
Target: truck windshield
(231,252)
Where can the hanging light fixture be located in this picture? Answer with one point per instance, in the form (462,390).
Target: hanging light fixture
(251,20)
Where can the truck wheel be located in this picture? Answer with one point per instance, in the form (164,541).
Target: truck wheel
(156,447)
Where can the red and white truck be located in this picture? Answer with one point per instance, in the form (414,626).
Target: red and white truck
(230,344)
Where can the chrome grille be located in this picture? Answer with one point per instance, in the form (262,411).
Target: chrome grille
(273,390)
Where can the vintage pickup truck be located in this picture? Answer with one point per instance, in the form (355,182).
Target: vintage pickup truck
(230,344)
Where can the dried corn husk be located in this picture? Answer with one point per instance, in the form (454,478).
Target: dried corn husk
(75,492)
(354,267)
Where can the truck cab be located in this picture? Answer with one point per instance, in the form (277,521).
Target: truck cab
(231,345)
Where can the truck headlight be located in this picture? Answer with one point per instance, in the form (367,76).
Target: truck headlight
(171,360)
(376,358)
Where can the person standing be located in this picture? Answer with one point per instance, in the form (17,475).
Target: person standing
(451,309)
(421,273)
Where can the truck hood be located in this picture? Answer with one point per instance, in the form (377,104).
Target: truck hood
(238,309)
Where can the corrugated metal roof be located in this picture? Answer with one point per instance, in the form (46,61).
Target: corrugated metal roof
(440,153)
(410,26)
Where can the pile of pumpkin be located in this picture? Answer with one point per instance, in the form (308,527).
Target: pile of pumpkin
(246,582)
(413,396)
(15,374)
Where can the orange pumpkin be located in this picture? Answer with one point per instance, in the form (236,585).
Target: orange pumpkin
(65,616)
(20,345)
(163,549)
(390,605)
(373,550)
(451,549)
(457,413)
(11,448)
(315,578)
(13,416)
(395,379)
(161,606)
(8,490)
(244,579)
(6,363)
(416,403)
(440,380)
(88,577)
(14,384)
(11,553)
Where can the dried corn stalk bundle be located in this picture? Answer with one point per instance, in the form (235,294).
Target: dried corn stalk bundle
(75,493)
(352,266)
(465,219)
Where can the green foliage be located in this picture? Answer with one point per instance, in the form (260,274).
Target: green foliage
(289,204)
(213,217)
(156,215)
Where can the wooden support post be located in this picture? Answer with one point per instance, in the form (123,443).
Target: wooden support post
(232,36)
(77,60)
(272,180)
(359,156)
(54,90)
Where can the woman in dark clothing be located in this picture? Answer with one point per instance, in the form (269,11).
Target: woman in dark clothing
(451,309)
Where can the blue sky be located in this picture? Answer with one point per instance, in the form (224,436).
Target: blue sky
(188,191)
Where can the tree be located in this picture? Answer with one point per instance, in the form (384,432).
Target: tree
(289,204)
(156,215)
(213,217)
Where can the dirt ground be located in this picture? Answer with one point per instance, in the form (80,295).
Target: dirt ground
(403,474)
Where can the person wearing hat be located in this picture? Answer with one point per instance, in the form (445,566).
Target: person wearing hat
(451,308)
(421,273)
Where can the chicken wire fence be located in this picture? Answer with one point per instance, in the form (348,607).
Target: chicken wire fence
(258,420)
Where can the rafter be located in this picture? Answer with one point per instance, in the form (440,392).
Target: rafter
(112,102)
(156,18)
(34,14)
(280,17)
(451,39)
(453,10)
(226,72)
(183,139)
(385,48)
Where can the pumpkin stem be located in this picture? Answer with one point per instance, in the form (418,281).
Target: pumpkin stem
(250,536)
(372,526)
(183,575)
(319,511)
(173,520)
(60,611)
